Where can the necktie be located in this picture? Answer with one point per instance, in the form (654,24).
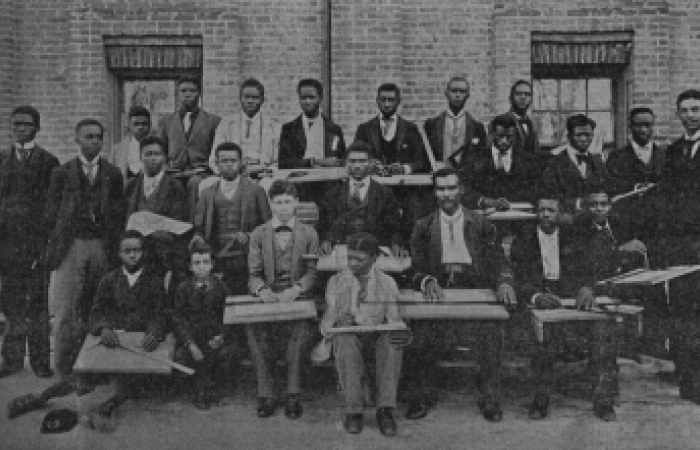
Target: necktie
(386,127)
(311,123)
(584,158)
(689,148)
(501,161)
(455,133)
(90,169)
(201,286)
(248,123)
(525,126)
(23,154)
(187,122)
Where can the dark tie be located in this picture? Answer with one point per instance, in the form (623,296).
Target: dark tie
(201,286)
(525,126)
(283,228)
(688,148)
(90,172)
(23,154)
(584,158)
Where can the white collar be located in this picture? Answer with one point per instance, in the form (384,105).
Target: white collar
(391,119)
(639,149)
(365,181)
(497,152)
(694,137)
(26,146)
(245,117)
(456,217)
(84,160)
(132,277)
(305,120)
(542,235)
(573,152)
(275,222)
(230,184)
(462,112)
(155,179)
(605,226)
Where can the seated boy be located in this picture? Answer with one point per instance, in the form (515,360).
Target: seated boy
(278,273)
(198,319)
(364,295)
(130,298)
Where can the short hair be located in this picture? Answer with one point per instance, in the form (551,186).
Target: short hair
(443,173)
(282,187)
(29,110)
(596,191)
(253,82)
(641,110)
(392,87)
(131,234)
(689,94)
(504,120)
(551,197)
(228,147)
(199,247)
(190,79)
(139,111)
(457,78)
(578,120)
(364,242)
(518,83)
(89,122)
(310,82)
(153,140)
(360,147)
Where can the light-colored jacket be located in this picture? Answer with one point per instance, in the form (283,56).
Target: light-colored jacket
(229,130)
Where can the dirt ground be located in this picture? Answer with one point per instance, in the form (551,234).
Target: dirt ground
(650,416)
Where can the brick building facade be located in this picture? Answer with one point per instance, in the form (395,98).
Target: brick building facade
(63,56)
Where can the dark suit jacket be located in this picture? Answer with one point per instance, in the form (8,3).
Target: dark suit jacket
(171,198)
(483,180)
(475,137)
(383,214)
(199,316)
(64,194)
(562,179)
(292,144)
(193,150)
(261,256)
(140,307)
(488,259)
(23,239)
(530,143)
(409,144)
(526,257)
(256,208)
(679,192)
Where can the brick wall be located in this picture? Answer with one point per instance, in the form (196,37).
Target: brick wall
(53,56)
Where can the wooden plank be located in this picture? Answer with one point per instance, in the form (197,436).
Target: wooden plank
(510,215)
(542,316)
(96,358)
(463,311)
(338,260)
(243,311)
(651,277)
(452,296)
(383,327)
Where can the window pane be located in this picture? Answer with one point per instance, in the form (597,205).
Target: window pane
(544,95)
(599,94)
(604,126)
(573,95)
(548,127)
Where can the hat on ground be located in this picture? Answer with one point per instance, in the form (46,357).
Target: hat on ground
(59,421)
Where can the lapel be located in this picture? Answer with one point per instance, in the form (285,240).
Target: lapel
(372,196)
(440,135)
(518,127)
(469,129)
(400,134)
(435,243)
(300,133)
(567,165)
(269,253)
(161,194)
(136,194)
(374,134)
(658,158)
(197,126)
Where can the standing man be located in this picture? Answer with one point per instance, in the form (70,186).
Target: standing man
(396,142)
(189,135)
(638,164)
(454,133)
(454,248)
(126,155)
(255,133)
(311,139)
(25,173)
(85,216)
(575,172)
(520,101)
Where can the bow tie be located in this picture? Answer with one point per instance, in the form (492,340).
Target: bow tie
(584,158)
(283,228)
(201,285)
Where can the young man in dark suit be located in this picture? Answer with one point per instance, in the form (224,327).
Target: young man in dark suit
(575,172)
(25,173)
(156,191)
(396,142)
(189,135)
(311,139)
(454,248)
(279,273)
(454,133)
(553,262)
(501,174)
(85,216)
(360,204)
(520,98)
(679,240)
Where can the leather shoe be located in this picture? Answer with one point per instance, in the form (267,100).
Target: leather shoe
(292,407)
(417,409)
(266,407)
(353,423)
(385,419)
(6,371)
(43,372)
(490,409)
(605,411)
(539,409)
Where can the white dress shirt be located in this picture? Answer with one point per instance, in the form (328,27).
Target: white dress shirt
(643,153)
(454,133)
(284,237)
(506,159)
(389,125)
(250,132)
(150,184)
(132,278)
(228,188)
(694,137)
(26,146)
(363,185)
(583,170)
(314,136)
(133,156)
(549,247)
(90,168)
(454,248)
